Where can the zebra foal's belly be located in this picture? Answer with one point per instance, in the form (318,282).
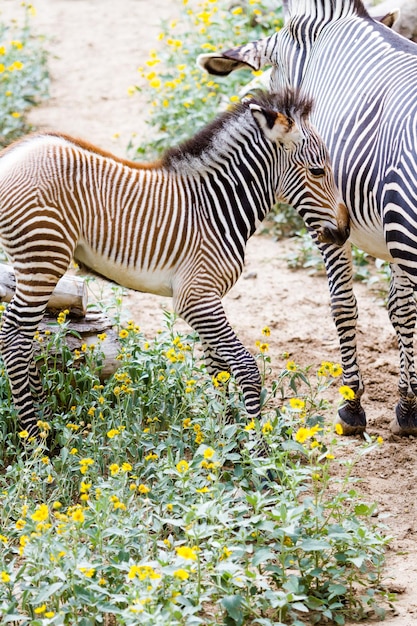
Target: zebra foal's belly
(151,280)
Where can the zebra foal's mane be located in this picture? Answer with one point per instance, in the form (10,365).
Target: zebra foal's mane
(289,102)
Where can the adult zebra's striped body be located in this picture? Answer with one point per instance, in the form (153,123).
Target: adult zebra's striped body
(363,78)
(175,227)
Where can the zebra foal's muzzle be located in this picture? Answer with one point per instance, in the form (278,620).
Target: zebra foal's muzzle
(338,235)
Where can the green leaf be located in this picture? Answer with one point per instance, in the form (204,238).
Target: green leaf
(262,555)
(313,545)
(233,606)
(47,592)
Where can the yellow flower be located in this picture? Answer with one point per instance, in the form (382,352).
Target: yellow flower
(40,609)
(113,433)
(142,572)
(114,469)
(223,377)
(225,553)
(41,513)
(338,429)
(237,11)
(20,524)
(337,370)
(267,428)
(126,467)
(4,577)
(208,453)
(182,466)
(143,488)
(347,392)
(301,435)
(186,553)
(23,434)
(291,366)
(87,571)
(155,83)
(182,574)
(297,404)
(380,440)
(250,425)
(84,465)
(78,516)
(151,456)
(203,490)
(123,333)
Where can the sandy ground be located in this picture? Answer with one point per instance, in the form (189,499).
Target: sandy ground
(95,48)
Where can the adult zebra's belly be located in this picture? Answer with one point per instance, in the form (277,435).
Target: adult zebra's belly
(152,280)
(370,241)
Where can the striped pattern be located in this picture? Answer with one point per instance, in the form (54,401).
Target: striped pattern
(177,227)
(363,78)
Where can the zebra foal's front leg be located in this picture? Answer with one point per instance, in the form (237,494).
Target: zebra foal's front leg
(402,313)
(225,352)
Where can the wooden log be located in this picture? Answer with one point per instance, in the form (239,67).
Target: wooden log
(70,292)
(86,330)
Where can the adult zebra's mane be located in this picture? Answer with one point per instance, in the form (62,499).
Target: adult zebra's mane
(337,7)
(289,102)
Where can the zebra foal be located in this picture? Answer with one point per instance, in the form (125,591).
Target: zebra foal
(176,227)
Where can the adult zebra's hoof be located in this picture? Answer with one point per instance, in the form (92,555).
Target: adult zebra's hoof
(352,418)
(405,421)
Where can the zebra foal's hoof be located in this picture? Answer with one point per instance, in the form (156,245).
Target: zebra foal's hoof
(404,423)
(352,419)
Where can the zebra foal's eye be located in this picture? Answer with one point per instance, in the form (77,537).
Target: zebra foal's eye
(317,171)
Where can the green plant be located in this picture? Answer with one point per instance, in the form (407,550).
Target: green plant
(156,509)
(23,76)
(184,98)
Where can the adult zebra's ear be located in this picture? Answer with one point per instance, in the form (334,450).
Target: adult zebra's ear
(276,126)
(251,55)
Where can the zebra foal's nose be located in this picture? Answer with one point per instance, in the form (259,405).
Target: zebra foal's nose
(339,234)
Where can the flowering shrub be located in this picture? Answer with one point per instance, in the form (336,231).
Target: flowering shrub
(154,508)
(23,76)
(183,97)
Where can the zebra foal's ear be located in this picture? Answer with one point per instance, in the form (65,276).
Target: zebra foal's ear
(276,126)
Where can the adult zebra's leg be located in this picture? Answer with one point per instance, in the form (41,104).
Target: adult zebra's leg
(338,262)
(402,313)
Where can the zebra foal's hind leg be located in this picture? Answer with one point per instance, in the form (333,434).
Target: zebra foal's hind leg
(19,325)
(403,314)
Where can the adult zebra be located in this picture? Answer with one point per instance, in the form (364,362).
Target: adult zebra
(177,227)
(363,78)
